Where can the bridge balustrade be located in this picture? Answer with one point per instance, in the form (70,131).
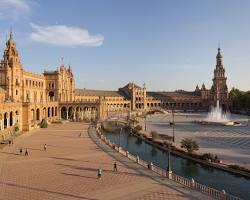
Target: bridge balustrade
(174,177)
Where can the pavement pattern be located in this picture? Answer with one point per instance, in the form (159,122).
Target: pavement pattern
(68,170)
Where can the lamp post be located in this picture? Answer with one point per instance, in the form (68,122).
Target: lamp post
(169,171)
(107,112)
(173,124)
(120,137)
(145,122)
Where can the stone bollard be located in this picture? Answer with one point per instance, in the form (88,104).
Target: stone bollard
(151,166)
(192,182)
(169,174)
(137,159)
(223,196)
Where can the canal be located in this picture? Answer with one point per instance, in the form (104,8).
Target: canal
(209,176)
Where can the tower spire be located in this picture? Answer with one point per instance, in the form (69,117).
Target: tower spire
(220,91)
(11,33)
(62,63)
(219,59)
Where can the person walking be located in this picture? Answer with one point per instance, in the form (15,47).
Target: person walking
(99,173)
(26,152)
(45,147)
(21,151)
(115,167)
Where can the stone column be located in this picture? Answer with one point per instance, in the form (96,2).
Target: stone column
(59,113)
(13,120)
(17,119)
(67,117)
(8,122)
(45,113)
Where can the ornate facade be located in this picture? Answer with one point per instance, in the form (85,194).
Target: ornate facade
(27,98)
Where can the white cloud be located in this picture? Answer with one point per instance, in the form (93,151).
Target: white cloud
(61,35)
(14,9)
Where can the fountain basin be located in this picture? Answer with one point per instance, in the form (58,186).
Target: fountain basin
(226,123)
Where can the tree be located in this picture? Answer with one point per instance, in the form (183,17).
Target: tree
(44,123)
(240,100)
(189,144)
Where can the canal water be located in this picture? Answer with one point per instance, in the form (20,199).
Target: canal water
(209,176)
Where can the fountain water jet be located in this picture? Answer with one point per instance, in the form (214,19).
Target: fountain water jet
(216,115)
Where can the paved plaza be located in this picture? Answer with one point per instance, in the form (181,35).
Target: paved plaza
(68,170)
(230,143)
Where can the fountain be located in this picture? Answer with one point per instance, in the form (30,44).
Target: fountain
(216,115)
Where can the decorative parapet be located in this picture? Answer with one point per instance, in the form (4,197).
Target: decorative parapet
(190,183)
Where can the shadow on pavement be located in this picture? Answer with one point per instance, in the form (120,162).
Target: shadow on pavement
(16,154)
(78,175)
(46,191)
(95,169)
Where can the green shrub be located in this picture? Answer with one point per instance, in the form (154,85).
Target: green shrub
(208,156)
(189,144)
(16,129)
(154,134)
(44,123)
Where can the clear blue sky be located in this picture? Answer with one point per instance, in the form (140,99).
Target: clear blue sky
(167,44)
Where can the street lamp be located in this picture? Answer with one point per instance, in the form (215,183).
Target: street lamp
(145,122)
(107,112)
(169,164)
(120,137)
(173,123)
(169,171)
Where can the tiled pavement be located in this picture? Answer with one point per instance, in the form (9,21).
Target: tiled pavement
(68,170)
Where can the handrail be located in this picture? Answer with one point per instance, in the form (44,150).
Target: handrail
(190,183)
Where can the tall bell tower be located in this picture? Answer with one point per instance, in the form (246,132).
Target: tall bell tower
(219,88)
(11,71)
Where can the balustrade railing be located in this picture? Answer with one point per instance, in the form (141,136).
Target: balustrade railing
(190,183)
